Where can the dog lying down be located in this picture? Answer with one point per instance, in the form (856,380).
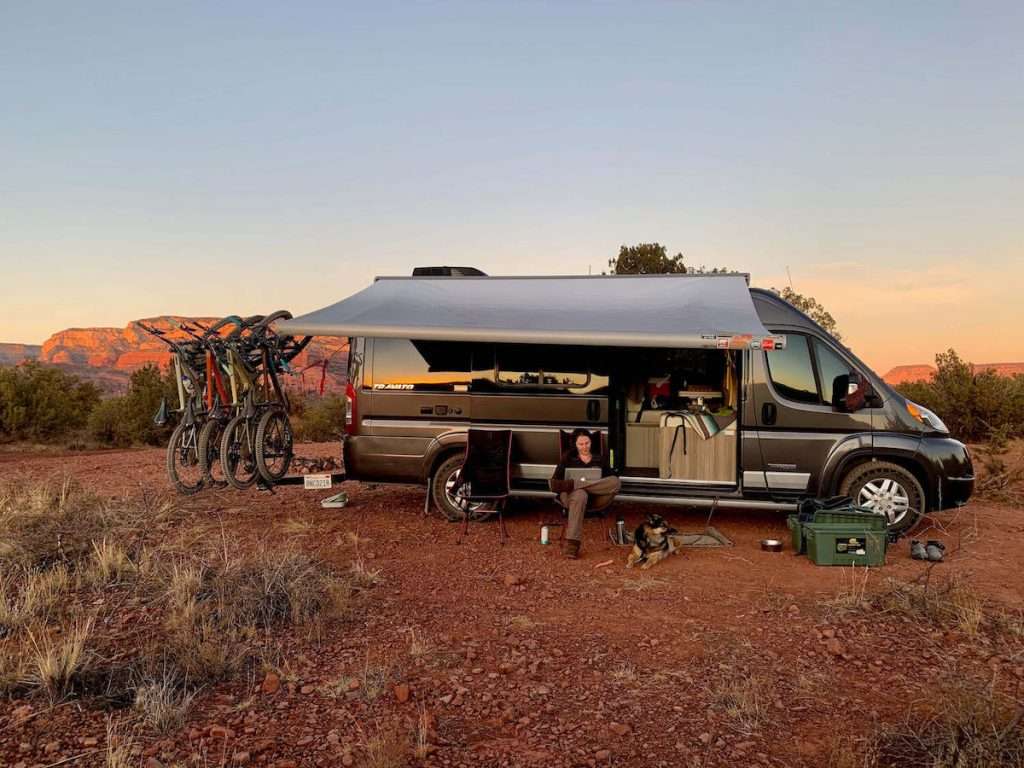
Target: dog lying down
(653,541)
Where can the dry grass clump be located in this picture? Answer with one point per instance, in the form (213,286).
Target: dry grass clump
(952,602)
(218,606)
(743,698)
(970,726)
(55,664)
(43,524)
(163,701)
(949,602)
(66,555)
(28,595)
(387,747)
(110,563)
(120,741)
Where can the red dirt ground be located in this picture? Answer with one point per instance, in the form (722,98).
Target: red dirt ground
(519,657)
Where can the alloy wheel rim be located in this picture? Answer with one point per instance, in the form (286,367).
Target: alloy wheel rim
(887,496)
(453,499)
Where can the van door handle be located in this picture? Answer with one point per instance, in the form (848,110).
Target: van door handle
(593,410)
(768,413)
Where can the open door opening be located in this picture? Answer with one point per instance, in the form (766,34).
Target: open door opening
(673,414)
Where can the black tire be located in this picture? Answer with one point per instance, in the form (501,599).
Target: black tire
(237,455)
(274,445)
(209,453)
(888,488)
(183,459)
(443,478)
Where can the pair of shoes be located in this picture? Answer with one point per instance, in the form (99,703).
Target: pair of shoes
(571,549)
(933,550)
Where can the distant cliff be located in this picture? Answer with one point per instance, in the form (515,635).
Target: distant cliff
(107,356)
(903,374)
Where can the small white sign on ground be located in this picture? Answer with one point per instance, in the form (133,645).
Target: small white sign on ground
(316,482)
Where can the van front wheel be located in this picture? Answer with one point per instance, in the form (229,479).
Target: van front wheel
(886,488)
(442,491)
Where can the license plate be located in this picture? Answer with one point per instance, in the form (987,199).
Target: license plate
(316,482)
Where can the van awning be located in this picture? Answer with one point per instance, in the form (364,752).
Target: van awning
(695,311)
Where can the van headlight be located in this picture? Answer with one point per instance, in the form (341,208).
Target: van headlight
(926,417)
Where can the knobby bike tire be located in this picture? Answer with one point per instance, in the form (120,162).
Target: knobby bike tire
(209,454)
(282,449)
(187,456)
(232,455)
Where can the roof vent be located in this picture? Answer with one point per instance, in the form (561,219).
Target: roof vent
(447,272)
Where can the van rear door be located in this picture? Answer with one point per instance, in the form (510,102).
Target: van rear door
(418,390)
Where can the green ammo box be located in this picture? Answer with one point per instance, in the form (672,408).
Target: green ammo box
(852,516)
(845,544)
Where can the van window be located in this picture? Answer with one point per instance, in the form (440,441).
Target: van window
(791,370)
(830,365)
(422,366)
(544,367)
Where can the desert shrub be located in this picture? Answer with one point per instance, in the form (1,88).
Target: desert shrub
(42,403)
(320,419)
(973,405)
(106,424)
(128,419)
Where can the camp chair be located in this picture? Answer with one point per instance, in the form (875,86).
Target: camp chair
(565,444)
(485,474)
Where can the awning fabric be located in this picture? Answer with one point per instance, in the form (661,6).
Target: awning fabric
(695,311)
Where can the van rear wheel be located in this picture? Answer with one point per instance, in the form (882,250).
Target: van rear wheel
(442,487)
(887,488)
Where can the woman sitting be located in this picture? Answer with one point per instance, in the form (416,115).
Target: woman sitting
(575,494)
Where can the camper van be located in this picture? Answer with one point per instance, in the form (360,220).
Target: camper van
(705,392)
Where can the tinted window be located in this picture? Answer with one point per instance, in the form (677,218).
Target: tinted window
(538,366)
(830,365)
(791,370)
(425,366)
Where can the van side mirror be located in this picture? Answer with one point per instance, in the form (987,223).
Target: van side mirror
(849,392)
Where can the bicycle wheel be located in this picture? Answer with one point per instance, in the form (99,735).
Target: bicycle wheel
(209,453)
(274,447)
(183,459)
(237,453)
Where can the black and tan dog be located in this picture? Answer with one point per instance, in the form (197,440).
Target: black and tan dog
(653,541)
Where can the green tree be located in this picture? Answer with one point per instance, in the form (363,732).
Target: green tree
(43,403)
(646,259)
(812,308)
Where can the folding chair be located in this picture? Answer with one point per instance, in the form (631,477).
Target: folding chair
(486,474)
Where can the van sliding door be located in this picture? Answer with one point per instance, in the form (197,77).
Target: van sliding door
(538,390)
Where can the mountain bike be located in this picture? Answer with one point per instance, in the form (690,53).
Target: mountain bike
(183,464)
(257,443)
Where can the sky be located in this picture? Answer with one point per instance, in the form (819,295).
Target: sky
(240,157)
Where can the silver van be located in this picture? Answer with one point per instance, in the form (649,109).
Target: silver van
(706,392)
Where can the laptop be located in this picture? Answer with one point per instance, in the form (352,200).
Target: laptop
(583,474)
